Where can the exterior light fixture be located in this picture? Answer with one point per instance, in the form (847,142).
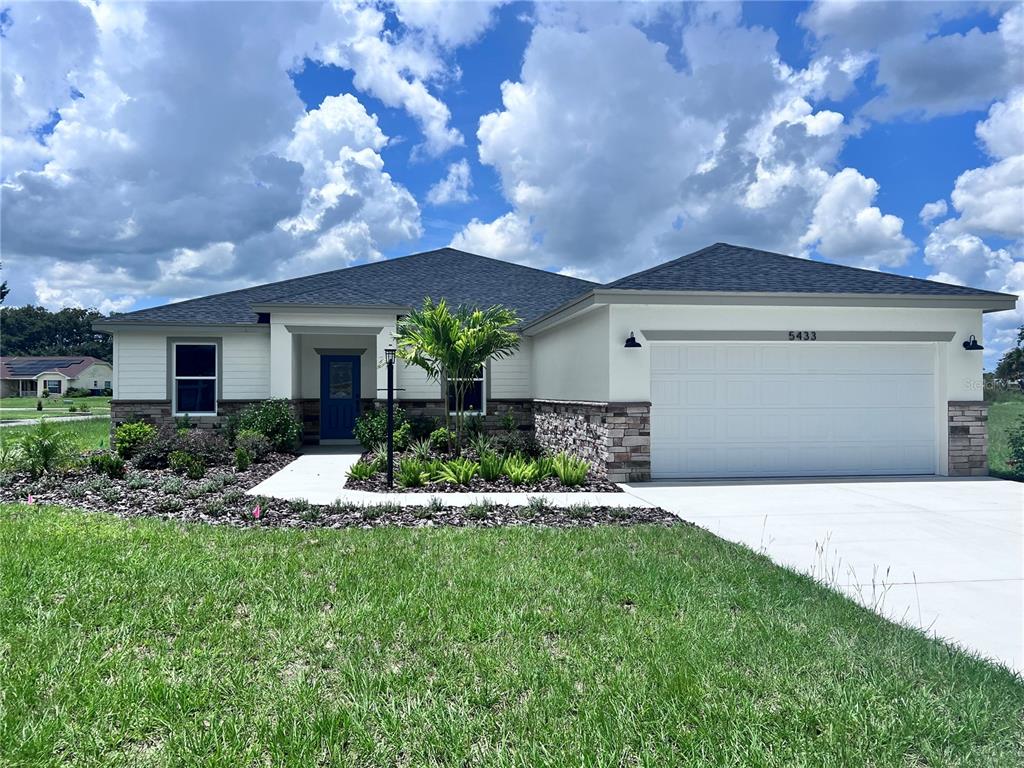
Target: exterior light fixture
(972,345)
(631,342)
(389,355)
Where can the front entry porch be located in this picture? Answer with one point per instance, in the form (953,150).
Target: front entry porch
(331,366)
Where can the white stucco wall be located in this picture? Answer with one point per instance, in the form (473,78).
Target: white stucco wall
(959,371)
(571,360)
(97,372)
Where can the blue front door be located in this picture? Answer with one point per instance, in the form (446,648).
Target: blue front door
(339,395)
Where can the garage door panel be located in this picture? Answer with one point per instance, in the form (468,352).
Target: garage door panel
(763,410)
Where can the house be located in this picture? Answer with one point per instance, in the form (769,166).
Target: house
(34,376)
(726,362)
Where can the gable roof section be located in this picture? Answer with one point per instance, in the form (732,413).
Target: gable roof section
(459,277)
(30,367)
(725,268)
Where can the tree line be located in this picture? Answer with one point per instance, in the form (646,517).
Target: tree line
(36,331)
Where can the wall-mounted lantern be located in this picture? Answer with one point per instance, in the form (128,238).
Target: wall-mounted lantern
(972,345)
(631,342)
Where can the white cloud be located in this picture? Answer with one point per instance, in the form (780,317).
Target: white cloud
(450,22)
(988,201)
(454,187)
(921,71)
(191,138)
(931,211)
(613,159)
(846,228)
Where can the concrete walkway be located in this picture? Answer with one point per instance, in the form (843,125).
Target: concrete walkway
(942,554)
(319,476)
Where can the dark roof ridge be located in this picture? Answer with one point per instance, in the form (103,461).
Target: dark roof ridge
(774,254)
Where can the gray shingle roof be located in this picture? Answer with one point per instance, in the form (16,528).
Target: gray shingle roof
(459,277)
(731,268)
(465,278)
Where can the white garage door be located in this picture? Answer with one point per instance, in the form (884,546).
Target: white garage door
(791,409)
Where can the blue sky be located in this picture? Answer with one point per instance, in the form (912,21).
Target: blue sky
(158,152)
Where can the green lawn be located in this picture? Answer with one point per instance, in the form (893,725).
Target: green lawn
(88,435)
(1005,409)
(12,408)
(151,643)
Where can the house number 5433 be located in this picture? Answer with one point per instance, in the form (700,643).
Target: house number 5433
(803,335)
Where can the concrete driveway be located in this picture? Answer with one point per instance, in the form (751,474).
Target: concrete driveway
(945,555)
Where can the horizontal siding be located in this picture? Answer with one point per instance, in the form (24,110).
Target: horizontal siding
(415,383)
(510,377)
(141,366)
(246,366)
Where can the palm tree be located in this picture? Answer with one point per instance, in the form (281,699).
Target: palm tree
(451,347)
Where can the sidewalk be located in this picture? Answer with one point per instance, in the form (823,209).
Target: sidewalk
(319,478)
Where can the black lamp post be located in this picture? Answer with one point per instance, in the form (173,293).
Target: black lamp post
(389,358)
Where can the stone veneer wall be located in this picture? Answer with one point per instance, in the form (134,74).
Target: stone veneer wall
(968,438)
(614,437)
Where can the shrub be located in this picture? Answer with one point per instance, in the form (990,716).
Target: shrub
(168,505)
(11,458)
(580,511)
(420,449)
(72,408)
(420,427)
(45,448)
(473,426)
(511,443)
(131,436)
(537,505)
(234,496)
(545,467)
(77,392)
(243,460)
(275,420)
(172,486)
(299,506)
(257,445)
(185,463)
(509,422)
(372,428)
(362,470)
(458,471)
(137,481)
(213,508)
(204,444)
(482,444)
(520,470)
(109,464)
(491,466)
(152,454)
(571,470)
(442,439)
(39,405)
(412,473)
(1015,444)
(480,510)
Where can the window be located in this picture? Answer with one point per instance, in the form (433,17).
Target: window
(106,385)
(473,399)
(53,386)
(195,379)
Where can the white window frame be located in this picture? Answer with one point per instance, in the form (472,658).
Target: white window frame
(175,378)
(482,378)
(48,382)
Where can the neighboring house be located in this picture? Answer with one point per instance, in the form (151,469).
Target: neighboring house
(727,362)
(32,376)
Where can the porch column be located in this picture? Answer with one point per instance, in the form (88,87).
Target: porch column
(282,361)
(385,339)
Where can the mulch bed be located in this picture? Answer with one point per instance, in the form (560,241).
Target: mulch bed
(379,484)
(220,499)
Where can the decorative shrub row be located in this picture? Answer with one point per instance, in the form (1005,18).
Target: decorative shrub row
(413,472)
